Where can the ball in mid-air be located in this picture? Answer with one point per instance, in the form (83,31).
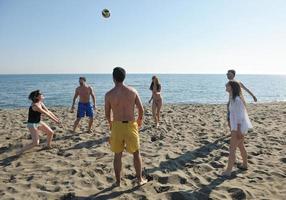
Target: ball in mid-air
(105,13)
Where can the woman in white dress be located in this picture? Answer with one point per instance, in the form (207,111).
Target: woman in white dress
(239,125)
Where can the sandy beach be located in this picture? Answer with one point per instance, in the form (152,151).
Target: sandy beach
(182,158)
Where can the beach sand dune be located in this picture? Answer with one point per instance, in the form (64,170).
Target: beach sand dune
(182,158)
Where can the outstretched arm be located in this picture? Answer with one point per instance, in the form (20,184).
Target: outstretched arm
(46,109)
(43,111)
(248,91)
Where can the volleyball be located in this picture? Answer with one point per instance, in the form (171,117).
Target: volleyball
(105,13)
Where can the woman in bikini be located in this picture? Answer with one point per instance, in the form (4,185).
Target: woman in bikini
(155,87)
(35,125)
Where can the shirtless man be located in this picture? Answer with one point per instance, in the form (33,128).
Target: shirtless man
(121,101)
(84,91)
(230,76)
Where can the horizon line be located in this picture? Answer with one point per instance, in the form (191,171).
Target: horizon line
(137,73)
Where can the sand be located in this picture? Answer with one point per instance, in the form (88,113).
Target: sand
(182,158)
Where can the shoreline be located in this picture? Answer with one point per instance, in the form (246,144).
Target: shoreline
(148,105)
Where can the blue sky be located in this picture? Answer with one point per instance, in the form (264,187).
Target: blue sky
(146,36)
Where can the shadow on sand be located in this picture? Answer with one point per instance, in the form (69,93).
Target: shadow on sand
(102,195)
(187,158)
(170,165)
(8,161)
(89,144)
(202,193)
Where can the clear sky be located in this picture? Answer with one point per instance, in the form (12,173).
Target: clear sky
(146,36)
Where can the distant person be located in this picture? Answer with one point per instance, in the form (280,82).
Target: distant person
(35,125)
(84,91)
(121,101)
(239,125)
(156,97)
(230,76)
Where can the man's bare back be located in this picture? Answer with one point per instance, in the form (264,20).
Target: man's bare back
(122,100)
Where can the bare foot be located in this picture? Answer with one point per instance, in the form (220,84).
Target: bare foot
(47,147)
(116,184)
(226,174)
(242,167)
(19,152)
(142,182)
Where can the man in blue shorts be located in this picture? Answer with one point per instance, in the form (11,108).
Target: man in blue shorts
(84,91)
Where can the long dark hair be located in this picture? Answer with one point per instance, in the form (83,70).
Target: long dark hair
(158,84)
(33,96)
(236,90)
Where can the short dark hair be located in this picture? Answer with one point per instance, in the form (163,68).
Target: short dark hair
(119,74)
(33,95)
(82,78)
(232,71)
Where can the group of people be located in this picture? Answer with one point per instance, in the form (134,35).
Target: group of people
(120,104)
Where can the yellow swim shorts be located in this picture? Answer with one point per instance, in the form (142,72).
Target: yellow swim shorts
(124,135)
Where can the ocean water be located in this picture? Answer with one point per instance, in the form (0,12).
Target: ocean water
(178,89)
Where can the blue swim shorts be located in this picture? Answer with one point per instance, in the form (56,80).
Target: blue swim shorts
(84,109)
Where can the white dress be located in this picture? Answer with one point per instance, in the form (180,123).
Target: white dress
(238,115)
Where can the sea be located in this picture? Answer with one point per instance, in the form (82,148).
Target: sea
(59,89)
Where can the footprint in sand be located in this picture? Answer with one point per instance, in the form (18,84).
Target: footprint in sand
(216,164)
(130,177)
(3,149)
(237,193)
(12,179)
(176,179)
(91,174)
(29,178)
(68,196)
(63,153)
(2,193)
(99,171)
(41,187)
(154,138)
(283,160)
(277,174)
(12,190)
(109,179)
(160,189)
(224,153)
(201,169)
(18,164)
(67,172)
(183,196)
(163,180)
